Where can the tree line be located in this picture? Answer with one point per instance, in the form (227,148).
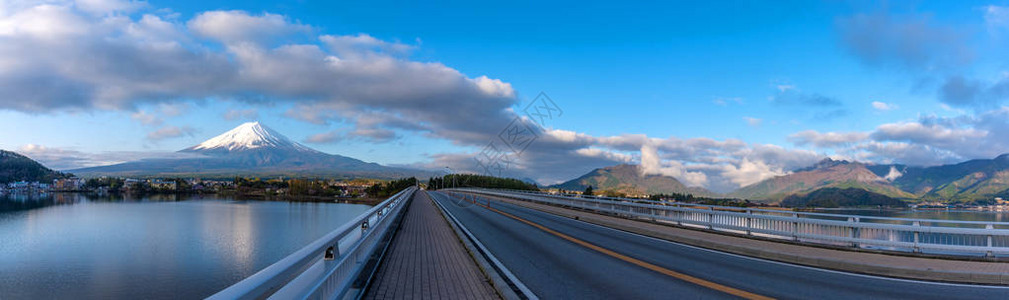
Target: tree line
(382,190)
(480,181)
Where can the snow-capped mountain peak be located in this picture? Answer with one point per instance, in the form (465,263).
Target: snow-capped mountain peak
(248,136)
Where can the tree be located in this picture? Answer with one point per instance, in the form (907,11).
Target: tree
(472,180)
(588,191)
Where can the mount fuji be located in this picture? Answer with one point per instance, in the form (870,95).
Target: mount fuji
(251,149)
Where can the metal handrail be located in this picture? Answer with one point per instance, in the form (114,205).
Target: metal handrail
(770,211)
(918,236)
(337,250)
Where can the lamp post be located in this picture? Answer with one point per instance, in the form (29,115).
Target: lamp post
(448,171)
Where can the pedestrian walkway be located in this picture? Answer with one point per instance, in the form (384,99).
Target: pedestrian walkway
(427,261)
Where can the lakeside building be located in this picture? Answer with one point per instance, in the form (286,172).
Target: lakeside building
(162,184)
(68,184)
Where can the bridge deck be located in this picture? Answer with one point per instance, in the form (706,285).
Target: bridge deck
(923,268)
(427,261)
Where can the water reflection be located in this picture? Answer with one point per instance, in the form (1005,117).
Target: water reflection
(951,215)
(78,246)
(27,201)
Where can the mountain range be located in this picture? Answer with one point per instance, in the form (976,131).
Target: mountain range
(628,179)
(828,173)
(252,149)
(978,179)
(969,180)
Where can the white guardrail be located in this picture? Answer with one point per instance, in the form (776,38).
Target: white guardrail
(328,267)
(946,237)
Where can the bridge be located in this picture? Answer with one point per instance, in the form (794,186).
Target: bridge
(494,244)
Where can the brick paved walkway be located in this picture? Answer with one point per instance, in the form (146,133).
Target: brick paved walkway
(427,261)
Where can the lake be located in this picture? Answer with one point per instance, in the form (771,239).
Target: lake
(71,246)
(937,214)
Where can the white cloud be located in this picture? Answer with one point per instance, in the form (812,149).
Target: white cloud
(102,7)
(146,118)
(241,114)
(748,172)
(883,106)
(931,140)
(652,164)
(373,135)
(363,45)
(753,122)
(325,137)
(928,134)
(996,17)
(609,155)
(893,174)
(116,62)
(235,26)
(902,152)
(68,159)
(156,117)
(168,132)
(826,139)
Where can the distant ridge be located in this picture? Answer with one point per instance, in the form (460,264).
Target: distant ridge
(973,180)
(629,180)
(253,149)
(970,180)
(826,173)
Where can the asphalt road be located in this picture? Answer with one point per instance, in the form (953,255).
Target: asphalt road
(594,262)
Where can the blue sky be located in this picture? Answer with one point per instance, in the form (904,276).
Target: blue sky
(721,94)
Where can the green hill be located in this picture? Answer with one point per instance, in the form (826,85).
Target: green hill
(17,167)
(826,174)
(840,197)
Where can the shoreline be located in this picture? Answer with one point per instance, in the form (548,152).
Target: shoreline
(237,196)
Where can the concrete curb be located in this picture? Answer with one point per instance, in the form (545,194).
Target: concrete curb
(988,278)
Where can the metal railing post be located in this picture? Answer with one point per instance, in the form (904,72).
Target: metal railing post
(332,252)
(749,222)
(711,216)
(795,227)
(989,253)
(916,224)
(851,233)
(856,232)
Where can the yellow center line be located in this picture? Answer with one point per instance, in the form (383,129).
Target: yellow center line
(641,263)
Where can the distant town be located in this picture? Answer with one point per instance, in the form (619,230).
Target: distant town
(278,188)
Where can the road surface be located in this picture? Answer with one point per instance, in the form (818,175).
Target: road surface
(562,258)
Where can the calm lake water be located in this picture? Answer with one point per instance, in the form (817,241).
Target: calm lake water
(70,246)
(960,215)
